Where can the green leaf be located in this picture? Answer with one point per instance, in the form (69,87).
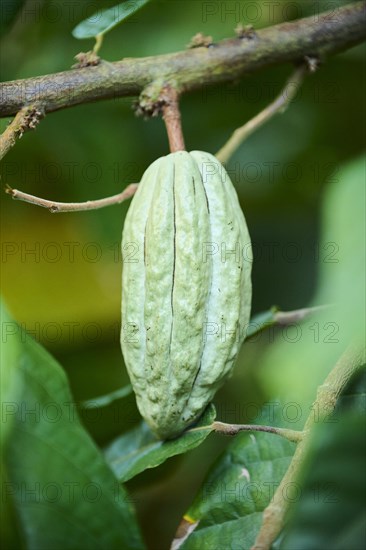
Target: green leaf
(103,21)
(331,510)
(56,483)
(107,399)
(139,449)
(227,511)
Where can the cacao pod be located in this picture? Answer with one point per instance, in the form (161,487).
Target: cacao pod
(186,288)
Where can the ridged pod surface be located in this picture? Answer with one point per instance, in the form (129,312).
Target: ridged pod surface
(186,288)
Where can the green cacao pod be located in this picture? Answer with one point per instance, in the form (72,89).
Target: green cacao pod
(186,288)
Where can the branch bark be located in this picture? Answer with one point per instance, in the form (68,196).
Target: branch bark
(314,36)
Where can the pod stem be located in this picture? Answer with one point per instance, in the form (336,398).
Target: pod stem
(172,119)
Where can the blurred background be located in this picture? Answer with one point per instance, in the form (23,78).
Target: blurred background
(60,274)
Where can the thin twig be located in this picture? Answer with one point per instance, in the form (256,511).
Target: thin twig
(172,119)
(279,105)
(324,404)
(263,321)
(297,315)
(233,429)
(56,207)
(26,119)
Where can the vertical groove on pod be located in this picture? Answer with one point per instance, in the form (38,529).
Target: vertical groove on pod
(185,419)
(174,254)
(145,263)
(145,244)
(199,366)
(204,190)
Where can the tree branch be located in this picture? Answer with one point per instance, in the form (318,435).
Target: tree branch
(228,60)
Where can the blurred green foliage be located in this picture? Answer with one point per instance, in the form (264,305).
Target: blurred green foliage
(331,510)
(61,273)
